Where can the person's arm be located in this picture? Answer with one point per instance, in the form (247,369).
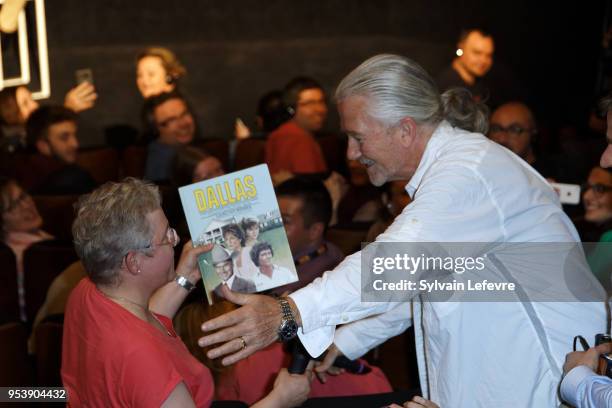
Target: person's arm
(335,298)
(355,339)
(179,398)
(581,386)
(167,299)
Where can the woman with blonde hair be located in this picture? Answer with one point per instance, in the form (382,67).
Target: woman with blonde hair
(157,71)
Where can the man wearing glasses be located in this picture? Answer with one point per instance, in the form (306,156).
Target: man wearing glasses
(512,125)
(169,118)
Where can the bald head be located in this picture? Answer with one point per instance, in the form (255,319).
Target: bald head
(512,125)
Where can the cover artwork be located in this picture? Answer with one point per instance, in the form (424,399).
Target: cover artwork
(238,212)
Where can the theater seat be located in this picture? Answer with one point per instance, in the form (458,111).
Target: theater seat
(133,160)
(9,299)
(101,163)
(14,363)
(57,213)
(42,262)
(249,152)
(49,353)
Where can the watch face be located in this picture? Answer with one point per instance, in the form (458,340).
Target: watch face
(288,330)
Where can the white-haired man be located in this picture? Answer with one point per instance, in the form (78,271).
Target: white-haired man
(465,188)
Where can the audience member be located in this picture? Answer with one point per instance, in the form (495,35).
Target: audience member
(292,148)
(472,69)
(513,125)
(119,345)
(306,208)
(597,200)
(271,113)
(169,118)
(52,133)
(251,379)
(20,227)
(224,267)
(191,164)
(157,71)
(582,386)
(16,105)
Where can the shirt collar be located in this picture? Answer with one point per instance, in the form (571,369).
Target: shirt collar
(230,281)
(429,156)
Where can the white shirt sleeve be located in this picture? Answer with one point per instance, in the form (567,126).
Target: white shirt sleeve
(335,298)
(583,388)
(357,338)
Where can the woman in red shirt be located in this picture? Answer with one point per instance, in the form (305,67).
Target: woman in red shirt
(119,346)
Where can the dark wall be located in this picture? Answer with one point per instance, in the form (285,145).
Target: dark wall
(237,50)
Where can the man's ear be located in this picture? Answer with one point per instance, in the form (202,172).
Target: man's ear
(43,147)
(408,131)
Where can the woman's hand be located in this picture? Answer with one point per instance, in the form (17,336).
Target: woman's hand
(81,97)
(290,390)
(188,263)
(326,366)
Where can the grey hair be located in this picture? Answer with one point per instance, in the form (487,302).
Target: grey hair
(110,222)
(398,87)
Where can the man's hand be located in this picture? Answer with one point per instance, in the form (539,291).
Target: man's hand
(81,97)
(188,263)
(416,402)
(589,358)
(326,366)
(245,330)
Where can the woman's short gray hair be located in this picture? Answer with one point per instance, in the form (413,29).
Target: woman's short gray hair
(398,87)
(110,222)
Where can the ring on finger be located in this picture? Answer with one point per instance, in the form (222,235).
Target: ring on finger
(243,342)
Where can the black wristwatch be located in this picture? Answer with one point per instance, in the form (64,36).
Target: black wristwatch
(288,327)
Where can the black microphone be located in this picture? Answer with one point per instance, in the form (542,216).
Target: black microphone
(352,366)
(301,358)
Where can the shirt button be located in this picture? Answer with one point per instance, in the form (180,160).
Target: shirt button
(345,318)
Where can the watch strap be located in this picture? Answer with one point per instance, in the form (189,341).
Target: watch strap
(184,283)
(286,309)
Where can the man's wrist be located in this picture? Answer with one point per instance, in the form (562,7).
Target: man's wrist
(295,310)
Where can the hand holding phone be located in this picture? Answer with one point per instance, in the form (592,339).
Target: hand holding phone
(83,75)
(568,193)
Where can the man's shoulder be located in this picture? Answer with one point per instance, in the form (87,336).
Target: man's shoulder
(289,128)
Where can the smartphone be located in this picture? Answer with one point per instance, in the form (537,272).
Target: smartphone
(568,193)
(83,75)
